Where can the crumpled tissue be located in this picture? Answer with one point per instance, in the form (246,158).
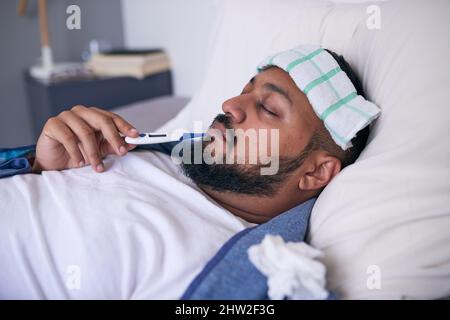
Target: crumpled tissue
(291,268)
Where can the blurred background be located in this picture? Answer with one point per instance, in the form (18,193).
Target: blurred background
(179,28)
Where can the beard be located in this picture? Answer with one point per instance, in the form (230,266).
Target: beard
(239,178)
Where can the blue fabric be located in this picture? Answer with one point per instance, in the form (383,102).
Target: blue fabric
(16,160)
(161,147)
(230,275)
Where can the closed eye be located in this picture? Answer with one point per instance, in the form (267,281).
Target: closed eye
(260,105)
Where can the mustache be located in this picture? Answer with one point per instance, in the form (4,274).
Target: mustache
(225,120)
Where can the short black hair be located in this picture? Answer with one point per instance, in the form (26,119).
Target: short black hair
(322,140)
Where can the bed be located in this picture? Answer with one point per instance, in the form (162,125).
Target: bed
(383,224)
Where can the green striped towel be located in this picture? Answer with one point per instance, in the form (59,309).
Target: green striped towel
(328,89)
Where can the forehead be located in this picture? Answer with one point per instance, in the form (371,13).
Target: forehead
(276,76)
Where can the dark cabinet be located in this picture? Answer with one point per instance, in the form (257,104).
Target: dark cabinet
(49,99)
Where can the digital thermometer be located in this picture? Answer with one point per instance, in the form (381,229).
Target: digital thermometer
(153,138)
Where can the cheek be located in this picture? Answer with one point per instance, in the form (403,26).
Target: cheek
(294,138)
(266,141)
(250,146)
(294,142)
(259,144)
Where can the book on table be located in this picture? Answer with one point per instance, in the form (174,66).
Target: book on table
(134,63)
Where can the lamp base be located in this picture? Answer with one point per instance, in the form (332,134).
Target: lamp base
(57,71)
(48,70)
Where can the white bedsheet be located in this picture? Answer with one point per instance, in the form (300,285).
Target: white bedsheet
(139,230)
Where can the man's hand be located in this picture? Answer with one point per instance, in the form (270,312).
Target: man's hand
(80,137)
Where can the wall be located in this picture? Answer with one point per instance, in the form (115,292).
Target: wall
(100,19)
(181,27)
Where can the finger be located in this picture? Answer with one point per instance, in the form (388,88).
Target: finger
(108,149)
(59,131)
(111,134)
(122,125)
(103,122)
(130,146)
(86,134)
(109,130)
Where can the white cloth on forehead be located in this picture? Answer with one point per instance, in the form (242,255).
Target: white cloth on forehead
(329,90)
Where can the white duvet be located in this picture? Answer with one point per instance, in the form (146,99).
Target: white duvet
(139,230)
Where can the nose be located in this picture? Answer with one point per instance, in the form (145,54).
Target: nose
(235,108)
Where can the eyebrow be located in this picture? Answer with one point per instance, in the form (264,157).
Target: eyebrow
(274,88)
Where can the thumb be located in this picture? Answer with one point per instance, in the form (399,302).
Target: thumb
(106,148)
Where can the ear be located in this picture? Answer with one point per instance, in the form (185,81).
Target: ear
(319,171)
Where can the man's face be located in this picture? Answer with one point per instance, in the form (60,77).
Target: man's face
(269,101)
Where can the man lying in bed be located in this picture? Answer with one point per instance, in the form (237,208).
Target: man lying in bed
(145,226)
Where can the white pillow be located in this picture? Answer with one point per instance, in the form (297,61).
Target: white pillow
(384,222)
(386,219)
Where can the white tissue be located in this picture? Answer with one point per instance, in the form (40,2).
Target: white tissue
(290,267)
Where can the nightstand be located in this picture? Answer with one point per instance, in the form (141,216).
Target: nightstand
(49,99)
